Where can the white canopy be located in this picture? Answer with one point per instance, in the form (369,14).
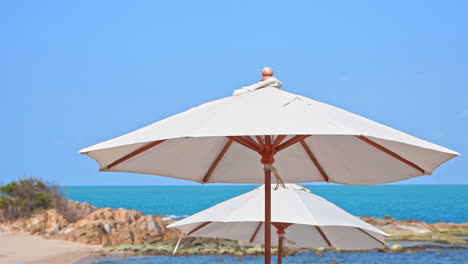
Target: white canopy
(315,221)
(338,146)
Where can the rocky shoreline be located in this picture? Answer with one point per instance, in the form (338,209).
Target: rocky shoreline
(132,232)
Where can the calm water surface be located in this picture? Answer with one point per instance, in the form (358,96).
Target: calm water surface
(432,257)
(429,203)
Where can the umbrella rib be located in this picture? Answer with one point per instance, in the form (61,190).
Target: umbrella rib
(370,236)
(278,141)
(261,145)
(290,142)
(198,228)
(134,153)
(391,153)
(217,160)
(252,142)
(314,160)
(323,236)
(244,142)
(256,232)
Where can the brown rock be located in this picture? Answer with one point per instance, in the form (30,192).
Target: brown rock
(135,230)
(414,230)
(122,237)
(451,227)
(76,210)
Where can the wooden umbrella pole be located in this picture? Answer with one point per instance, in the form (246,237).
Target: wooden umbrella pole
(267,158)
(267,217)
(280,249)
(281,230)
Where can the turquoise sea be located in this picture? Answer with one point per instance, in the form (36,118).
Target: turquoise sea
(430,203)
(431,257)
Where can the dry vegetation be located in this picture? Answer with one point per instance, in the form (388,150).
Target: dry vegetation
(24,197)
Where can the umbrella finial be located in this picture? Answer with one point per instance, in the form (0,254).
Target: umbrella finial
(267,72)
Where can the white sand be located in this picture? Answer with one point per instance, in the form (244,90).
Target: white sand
(22,248)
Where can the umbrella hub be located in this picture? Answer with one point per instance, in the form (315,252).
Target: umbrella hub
(267,150)
(281,227)
(267,155)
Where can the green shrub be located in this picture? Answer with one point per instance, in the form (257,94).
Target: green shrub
(5,201)
(24,197)
(43,200)
(9,189)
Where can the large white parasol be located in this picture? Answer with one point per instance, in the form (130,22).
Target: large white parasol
(232,139)
(303,218)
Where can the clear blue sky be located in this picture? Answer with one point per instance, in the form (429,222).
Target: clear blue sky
(75,73)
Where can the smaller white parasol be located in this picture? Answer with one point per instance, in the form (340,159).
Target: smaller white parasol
(301,219)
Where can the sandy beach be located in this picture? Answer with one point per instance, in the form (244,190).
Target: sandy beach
(18,247)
